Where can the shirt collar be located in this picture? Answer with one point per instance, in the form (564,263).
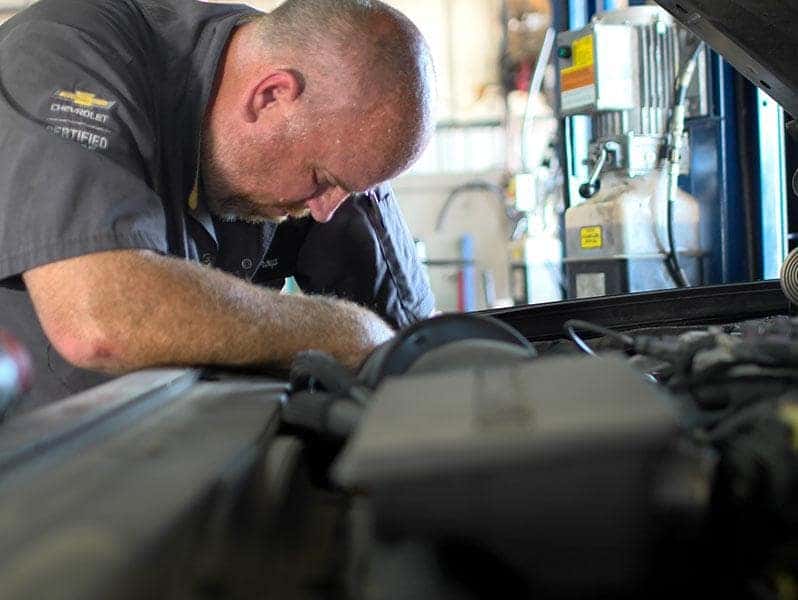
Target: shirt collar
(197,209)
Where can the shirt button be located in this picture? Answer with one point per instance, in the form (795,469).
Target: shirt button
(207,259)
(246,264)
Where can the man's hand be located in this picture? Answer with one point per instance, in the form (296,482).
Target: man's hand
(125,310)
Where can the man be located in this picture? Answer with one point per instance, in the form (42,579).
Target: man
(137,134)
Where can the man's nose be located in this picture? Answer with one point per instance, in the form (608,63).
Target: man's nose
(323,209)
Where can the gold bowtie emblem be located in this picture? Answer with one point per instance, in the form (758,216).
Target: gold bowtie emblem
(85,99)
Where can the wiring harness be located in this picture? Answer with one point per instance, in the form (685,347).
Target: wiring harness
(736,389)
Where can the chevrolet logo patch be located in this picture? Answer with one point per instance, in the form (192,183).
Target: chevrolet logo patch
(84,99)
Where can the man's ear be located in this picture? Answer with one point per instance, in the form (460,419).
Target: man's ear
(276,88)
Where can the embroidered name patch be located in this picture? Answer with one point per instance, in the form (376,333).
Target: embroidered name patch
(81,117)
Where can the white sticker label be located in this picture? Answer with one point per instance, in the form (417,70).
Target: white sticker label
(590,285)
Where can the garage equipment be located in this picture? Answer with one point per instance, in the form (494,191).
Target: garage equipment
(635,230)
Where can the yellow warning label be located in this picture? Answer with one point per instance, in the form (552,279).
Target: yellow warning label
(591,237)
(583,51)
(582,72)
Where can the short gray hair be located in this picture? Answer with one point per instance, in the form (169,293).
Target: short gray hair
(366,38)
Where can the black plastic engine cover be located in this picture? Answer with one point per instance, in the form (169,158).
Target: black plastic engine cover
(561,467)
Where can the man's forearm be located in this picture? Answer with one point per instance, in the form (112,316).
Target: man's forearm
(124,310)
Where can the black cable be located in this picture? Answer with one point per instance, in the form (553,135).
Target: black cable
(621,338)
(580,343)
(682,86)
(313,367)
(572,325)
(317,371)
(672,259)
(325,397)
(477,186)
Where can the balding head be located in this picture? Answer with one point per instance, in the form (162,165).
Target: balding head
(358,56)
(352,79)
(376,45)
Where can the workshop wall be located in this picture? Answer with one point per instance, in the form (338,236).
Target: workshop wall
(470,144)
(475,142)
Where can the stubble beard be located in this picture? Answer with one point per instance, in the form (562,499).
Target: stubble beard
(223,202)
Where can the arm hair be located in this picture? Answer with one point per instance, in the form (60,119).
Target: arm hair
(125,310)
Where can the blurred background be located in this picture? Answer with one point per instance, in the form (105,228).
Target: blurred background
(541,185)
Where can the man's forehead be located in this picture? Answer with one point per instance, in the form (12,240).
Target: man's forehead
(357,181)
(373,151)
(355,167)
(364,174)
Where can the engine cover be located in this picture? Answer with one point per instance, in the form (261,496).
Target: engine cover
(562,467)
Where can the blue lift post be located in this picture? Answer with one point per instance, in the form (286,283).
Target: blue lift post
(772,187)
(468,273)
(577,128)
(715,179)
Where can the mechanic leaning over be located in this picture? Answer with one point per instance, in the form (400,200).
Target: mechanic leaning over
(141,138)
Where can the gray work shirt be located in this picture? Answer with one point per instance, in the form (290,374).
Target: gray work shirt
(101,106)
